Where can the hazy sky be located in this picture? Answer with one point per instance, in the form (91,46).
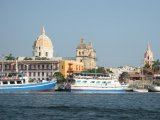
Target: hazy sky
(118,29)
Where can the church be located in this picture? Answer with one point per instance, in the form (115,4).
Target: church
(43,46)
(148,56)
(86,54)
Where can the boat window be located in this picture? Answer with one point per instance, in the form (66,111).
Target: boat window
(104,82)
(23,81)
(12,82)
(98,82)
(19,82)
(78,81)
(20,75)
(5,82)
(92,81)
(84,81)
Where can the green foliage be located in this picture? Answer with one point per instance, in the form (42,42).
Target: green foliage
(32,80)
(98,70)
(27,58)
(156,66)
(59,77)
(123,77)
(9,57)
(41,58)
(109,71)
(147,65)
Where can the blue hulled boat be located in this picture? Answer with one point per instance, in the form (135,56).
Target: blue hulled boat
(17,82)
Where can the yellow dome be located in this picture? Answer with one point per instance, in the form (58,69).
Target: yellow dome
(43,41)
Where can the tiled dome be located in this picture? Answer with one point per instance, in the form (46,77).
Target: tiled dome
(43,41)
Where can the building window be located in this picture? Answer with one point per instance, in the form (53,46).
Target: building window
(42,73)
(46,54)
(42,66)
(79,53)
(38,73)
(39,53)
(81,60)
(62,66)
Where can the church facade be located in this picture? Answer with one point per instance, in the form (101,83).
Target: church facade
(86,54)
(148,56)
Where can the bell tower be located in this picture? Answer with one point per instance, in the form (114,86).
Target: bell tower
(148,56)
(85,53)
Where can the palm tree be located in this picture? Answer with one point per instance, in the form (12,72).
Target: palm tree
(156,66)
(10,57)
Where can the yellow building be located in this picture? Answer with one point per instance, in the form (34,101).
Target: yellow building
(67,67)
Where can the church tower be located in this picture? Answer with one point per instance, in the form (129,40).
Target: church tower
(43,46)
(86,54)
(148,56)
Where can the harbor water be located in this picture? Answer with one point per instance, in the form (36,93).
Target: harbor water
(79,106)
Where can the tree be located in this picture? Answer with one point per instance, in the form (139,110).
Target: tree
(41,58)
(10,57)
(98,70)
(156,66)
(27,58)
(59,77)
(123,77)
(147,66)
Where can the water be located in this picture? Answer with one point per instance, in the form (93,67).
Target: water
(80,106)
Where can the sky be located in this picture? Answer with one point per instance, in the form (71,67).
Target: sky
(118,29)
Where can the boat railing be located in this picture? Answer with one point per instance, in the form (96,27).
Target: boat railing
(94,77)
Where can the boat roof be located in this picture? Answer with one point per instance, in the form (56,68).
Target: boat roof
(91,74)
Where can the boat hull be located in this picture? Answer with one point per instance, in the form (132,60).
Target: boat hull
(44,86)
(154,88)
(98,90)
(140,90)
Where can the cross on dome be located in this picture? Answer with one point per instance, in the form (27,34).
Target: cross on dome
(43,31)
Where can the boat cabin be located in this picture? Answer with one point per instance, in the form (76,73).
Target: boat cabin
(12,78)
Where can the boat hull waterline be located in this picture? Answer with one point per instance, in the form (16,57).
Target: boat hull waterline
(98,89)
(43,86)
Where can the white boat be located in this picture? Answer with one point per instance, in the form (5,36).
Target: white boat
(17,82)
(154,88)
(97,82)
(140,90)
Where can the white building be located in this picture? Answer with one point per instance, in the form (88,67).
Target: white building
(119,70)
(43,46)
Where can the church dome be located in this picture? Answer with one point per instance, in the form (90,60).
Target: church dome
(43,41)
(42,46)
